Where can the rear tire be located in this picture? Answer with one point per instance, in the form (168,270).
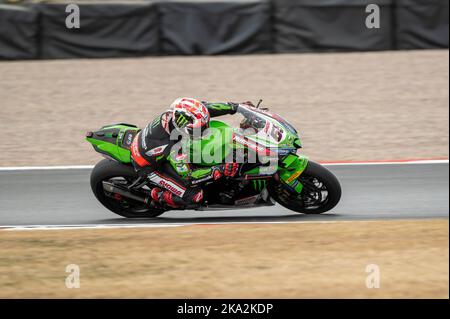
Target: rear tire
(108,169)
(324,178)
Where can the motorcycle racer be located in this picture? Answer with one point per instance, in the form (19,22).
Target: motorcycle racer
(264,144)
(151,148)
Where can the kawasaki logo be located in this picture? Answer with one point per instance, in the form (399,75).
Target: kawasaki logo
(204,179)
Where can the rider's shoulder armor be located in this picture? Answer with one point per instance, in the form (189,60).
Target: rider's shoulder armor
(156,132)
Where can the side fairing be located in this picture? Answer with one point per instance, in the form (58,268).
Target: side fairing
(213,148)
(290,168)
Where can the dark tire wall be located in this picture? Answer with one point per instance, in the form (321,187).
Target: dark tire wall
(219,27)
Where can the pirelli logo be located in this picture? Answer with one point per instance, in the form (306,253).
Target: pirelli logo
(294,176)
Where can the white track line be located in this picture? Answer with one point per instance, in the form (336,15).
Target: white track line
(437,161)
(165,225)
(69,227)
(70,167)
(157,225)
(32,168)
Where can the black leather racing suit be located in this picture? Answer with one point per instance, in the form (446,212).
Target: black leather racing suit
(150,151)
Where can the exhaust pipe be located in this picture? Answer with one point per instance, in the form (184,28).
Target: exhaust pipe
(114,189)
(111,188)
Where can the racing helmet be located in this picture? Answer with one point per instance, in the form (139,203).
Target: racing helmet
(190,116)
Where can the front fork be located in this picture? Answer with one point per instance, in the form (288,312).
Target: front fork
(290,168)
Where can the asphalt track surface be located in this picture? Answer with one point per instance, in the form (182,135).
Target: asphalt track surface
(387,191)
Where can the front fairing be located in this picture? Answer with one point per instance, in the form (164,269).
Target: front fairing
(272,130)
(271,137)
(282,139)
(213,148)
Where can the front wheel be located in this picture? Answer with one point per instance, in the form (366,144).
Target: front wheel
(123,175)
(321,191)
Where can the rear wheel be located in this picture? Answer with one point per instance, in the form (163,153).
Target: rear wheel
(321,191)
(123,175)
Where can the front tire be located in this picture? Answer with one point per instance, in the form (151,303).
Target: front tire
(107,170)
(321,191)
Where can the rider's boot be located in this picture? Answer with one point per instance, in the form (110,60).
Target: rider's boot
(164,197)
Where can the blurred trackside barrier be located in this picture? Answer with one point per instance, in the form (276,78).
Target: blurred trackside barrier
(106,30)
(215,27)
(421,24)
(331,25)
(19,27)
(37,30)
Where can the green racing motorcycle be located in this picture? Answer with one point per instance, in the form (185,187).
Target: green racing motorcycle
(271,170)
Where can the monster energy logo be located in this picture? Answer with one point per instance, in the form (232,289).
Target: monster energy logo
(181,121)
(259,184)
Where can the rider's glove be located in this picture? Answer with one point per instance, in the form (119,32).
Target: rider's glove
(230,169)
(217,172)
(249,103)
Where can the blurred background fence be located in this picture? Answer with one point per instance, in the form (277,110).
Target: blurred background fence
(37,29)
